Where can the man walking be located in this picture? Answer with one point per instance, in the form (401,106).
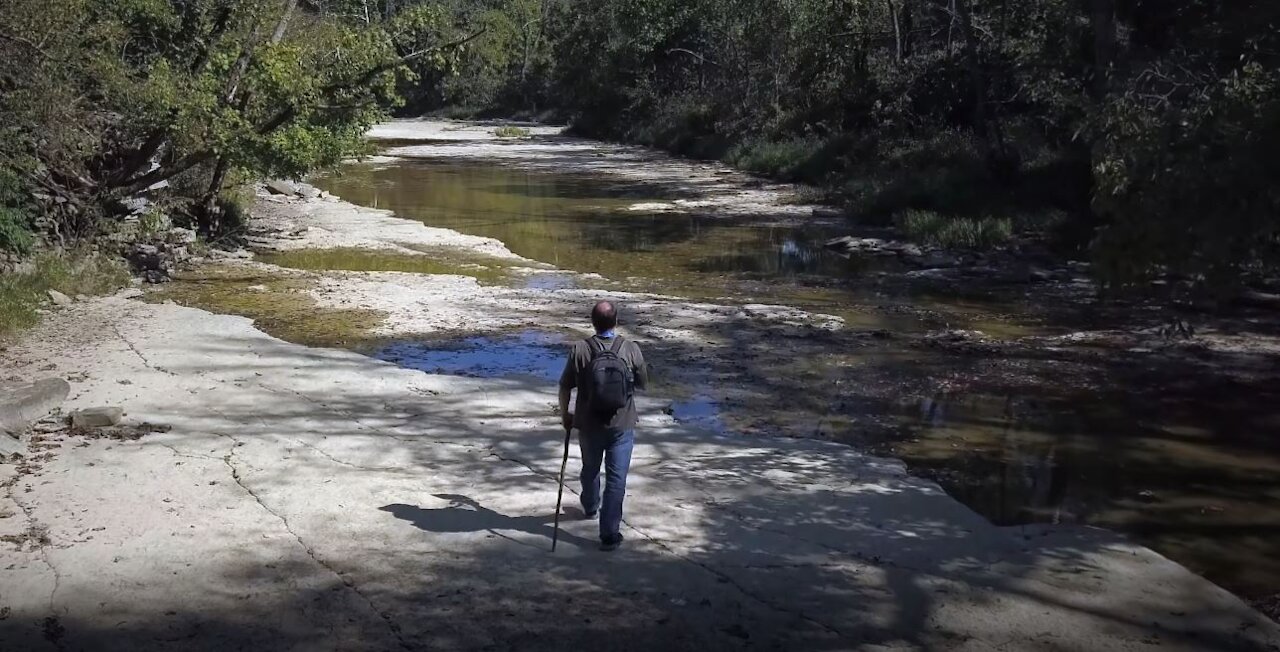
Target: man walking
(606,370)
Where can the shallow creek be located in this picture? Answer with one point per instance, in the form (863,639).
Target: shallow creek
(1185,476)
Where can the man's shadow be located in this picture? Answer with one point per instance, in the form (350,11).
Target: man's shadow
(466,515)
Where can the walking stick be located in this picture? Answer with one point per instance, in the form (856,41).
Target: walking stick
(555,536)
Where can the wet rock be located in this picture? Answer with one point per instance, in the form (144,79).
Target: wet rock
(97,417)
(155,276)
(222,254)
(281,187)
(956,335)
(936,259)
(931,274)
(1147,496)
(151,262)
(850,244)
(58,298)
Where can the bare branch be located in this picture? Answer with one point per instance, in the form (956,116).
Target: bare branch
(699,57)
(26,42)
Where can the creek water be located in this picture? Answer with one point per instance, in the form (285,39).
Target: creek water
(1198,483)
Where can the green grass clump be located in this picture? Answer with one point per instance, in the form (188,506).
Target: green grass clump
(508,131)
(70,273)
(780,159)
(960,232)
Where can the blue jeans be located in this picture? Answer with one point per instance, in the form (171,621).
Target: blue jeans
(615,451)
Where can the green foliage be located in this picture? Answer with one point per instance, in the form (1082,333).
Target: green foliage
(97,91)
(781,159)
(1145,130)
(1206,166)
(79,272)
(510,131)
(946,231)
(15,221)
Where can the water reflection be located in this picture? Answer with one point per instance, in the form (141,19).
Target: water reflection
(1181,485)
(581,224)
(527,353)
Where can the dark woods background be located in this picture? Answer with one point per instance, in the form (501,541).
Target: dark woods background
(1144,133)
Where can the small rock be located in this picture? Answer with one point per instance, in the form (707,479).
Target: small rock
(155,276)
(938,259)
(182,236)
(136,205)
(99,417)
(58,298)
(82,297)
(146,257)
(933,274)
(308,191)
(1147,495)
(129,293)
(1040,275)
(221,254)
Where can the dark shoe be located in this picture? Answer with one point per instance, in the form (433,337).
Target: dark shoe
(590,516)
(610,545)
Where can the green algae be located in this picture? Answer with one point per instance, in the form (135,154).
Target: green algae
(280,306)
(489,271)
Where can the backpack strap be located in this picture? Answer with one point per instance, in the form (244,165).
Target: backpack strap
(617,345)
(594,346)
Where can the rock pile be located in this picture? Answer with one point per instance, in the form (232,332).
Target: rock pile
(156,259)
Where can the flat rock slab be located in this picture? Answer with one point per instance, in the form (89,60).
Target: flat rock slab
(24,403)
(319,499)
(280,187)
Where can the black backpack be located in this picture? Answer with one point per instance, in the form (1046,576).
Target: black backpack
(608,386)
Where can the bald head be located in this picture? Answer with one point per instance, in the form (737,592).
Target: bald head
(604,316)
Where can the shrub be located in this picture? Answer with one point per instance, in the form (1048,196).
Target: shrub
(509,131)
(782,159)
(946,231)
(15,220)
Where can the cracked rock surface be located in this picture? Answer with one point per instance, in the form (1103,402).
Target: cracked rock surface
(316,499)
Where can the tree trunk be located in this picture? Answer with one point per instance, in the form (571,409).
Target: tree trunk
(896,18)
(987,137)
(1102,18)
